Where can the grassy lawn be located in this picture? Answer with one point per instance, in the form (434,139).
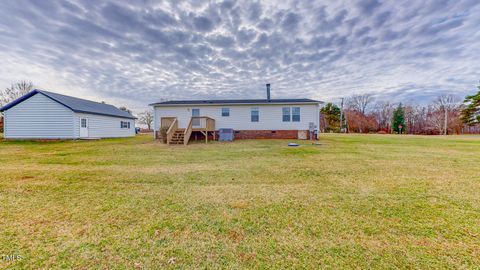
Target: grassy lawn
(355,201)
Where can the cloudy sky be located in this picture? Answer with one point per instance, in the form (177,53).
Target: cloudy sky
(137,52)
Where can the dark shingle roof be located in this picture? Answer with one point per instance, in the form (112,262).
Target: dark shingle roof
(235,101)
(75,104)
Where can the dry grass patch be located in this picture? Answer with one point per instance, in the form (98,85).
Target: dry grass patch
(355,201)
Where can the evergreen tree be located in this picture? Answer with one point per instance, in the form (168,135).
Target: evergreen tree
(331,113)
(398,123)
(471,112)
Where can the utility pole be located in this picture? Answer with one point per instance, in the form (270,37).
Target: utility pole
(341,116)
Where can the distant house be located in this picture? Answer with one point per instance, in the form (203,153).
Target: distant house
(249,118)
(46,115)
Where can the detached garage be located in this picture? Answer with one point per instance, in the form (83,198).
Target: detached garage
(46,115)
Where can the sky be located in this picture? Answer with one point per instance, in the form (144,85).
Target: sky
(132,53)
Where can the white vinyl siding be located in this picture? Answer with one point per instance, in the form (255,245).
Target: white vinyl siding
(270,116)
(102,126)
(39,117)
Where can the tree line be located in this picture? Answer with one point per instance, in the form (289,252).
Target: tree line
(446,114)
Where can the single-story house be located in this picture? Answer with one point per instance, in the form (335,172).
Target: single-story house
(46,115)
(249,118)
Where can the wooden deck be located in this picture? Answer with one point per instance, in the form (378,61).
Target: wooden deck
(176,135)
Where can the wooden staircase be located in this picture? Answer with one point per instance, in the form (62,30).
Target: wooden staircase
(175,135)
(178,136)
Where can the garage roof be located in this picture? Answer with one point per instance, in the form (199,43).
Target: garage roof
(75,104)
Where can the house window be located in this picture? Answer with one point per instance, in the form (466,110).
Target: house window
(124,124)
(295,114)
(83,123)
(255,115)
(225,112)
(286,114)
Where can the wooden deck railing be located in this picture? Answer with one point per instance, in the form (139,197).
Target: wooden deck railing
(171,130)
(188,132)
(210,124)
(205,123)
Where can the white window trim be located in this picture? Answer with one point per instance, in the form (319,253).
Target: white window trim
(228,111)
(299,114)
(252,109)
(290,114)
(124,124)
(81,123)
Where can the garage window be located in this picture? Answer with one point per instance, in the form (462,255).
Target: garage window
(124,124)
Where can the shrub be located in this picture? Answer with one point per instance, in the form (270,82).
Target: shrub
(163,134)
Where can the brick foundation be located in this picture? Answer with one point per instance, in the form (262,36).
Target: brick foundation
(252,134)
(266,134)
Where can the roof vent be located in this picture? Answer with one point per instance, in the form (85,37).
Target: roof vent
(268,92)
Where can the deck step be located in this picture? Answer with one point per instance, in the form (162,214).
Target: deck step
(178,136)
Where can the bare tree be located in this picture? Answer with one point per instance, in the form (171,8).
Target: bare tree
(436,120)
(383,111)
(419,120)
(359,122)
(409,111)
(360,103)
(15,91)
(146,118)
(449,102)
(446,104)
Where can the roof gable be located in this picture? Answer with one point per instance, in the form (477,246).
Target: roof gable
(75,104)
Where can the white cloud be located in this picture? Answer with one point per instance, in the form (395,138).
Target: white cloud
(131,54)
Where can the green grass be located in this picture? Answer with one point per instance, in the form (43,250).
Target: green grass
(355,201)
